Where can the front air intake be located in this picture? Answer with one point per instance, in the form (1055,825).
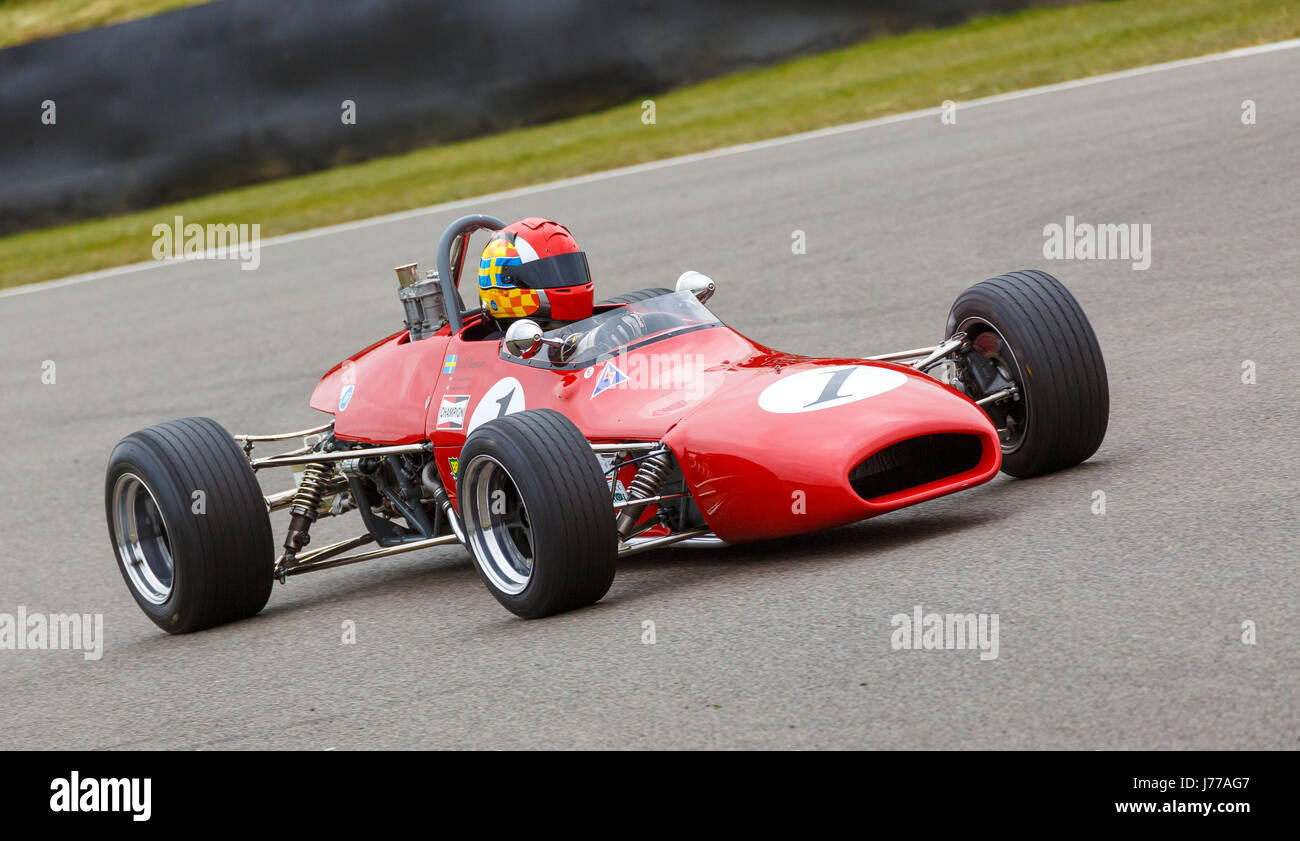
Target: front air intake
(915,462)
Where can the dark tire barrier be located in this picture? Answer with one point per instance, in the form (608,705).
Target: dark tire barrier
(238,91)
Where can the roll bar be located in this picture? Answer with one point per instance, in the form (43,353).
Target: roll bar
(451,259)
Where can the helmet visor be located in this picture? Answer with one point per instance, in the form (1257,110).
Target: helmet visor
(550,272)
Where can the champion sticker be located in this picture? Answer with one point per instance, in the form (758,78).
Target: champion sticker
(609,377)
(827,387)
(345,396)
(451,412)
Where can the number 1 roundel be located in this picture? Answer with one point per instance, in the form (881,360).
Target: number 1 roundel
(827,387)
(505,397)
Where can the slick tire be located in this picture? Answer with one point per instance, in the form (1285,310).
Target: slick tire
(189,525)
(538,514)
(1035,330)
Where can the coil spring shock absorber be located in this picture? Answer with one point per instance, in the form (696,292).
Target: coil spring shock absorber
(305,509)
(654,469)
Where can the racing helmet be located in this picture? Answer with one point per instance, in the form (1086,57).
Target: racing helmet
(534,269)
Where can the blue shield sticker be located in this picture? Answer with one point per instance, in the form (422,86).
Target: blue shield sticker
(609,377)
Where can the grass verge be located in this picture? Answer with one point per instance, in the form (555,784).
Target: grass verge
(31,20)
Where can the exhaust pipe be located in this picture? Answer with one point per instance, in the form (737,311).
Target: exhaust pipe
(429,479)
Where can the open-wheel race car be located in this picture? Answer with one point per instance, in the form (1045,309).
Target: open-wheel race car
(550,451)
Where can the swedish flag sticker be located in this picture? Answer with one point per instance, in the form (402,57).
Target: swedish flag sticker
(609,377)
(449,364)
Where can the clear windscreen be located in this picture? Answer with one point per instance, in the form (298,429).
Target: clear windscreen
(620,328)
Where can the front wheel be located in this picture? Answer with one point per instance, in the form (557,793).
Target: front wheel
(1027,331)
(538,514)
(189,525)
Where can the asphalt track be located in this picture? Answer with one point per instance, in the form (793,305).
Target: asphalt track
(1117,631)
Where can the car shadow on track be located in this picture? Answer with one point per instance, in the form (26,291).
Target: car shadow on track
(433,575)
(451,572)
(436,570)
(448,574)
(667,570)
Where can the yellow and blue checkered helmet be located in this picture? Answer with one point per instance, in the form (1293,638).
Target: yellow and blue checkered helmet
(534,269)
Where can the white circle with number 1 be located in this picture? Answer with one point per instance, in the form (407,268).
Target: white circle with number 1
(827,387)
(505,397)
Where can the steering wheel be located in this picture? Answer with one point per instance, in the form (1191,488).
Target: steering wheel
(627,327)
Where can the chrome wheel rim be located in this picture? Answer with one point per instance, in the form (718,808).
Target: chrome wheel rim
(1012,415)
(141,537)
(497,525)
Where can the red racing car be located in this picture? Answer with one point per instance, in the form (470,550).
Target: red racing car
(551,447)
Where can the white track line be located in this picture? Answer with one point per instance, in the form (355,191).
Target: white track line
(665,163)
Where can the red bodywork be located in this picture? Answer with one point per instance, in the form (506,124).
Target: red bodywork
(754,473)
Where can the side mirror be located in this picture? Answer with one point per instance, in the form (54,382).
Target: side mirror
(523,338)
(701,286)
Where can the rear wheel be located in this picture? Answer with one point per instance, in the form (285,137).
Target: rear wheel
(1026,330)
(189,525)
(639,295)
(538,515)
